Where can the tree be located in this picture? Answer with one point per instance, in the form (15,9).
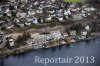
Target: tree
(19,40)
(3,28)
(77,27)
(26,36)
(4,14)
(22,39)
(13,14)
(64,17)
(94,26)
(3,1)
(11,7)
(54,42)
(39,19)
(67,39)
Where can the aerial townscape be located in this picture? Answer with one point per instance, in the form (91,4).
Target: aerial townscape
(34,24)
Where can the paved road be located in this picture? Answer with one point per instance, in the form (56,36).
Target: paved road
(60,27)
(36,31)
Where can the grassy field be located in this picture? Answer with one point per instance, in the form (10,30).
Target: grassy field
(74,0)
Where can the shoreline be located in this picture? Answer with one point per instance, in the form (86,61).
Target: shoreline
(27,48)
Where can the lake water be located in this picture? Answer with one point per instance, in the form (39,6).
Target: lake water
(84,48)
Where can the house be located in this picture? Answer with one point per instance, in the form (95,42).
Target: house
(73,33)
(42,2)
(49,37)
(2,22)
(2,33)
(64,33)
(59,11)
(78,9)
(87,28)
(92,9)
(41,7)
(35,20)
(77,17)
(16,20)
(72,5)
(9,26)
(11,42)
(21,15)
(20,24)
(84,33)
(53,15)
(49,18)
(2,41)
(7,10)
(74,10)
(41,19)
(36,3)
(83,11)
(81,37)
(89,9)
(29,19)
(72,40)
(67,12)
(33,35)
(83,15)
(52,1)
(62,42)
(39,40)
(58,14)
(12,1)
(52,11)
(60,18)
(30,42)
(56,34)
(9,14)
(27,23)
(31,12)
(88,14)
(25,1)
(39,11)
(47,5)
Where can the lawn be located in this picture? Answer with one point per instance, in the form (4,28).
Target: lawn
(74,0)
